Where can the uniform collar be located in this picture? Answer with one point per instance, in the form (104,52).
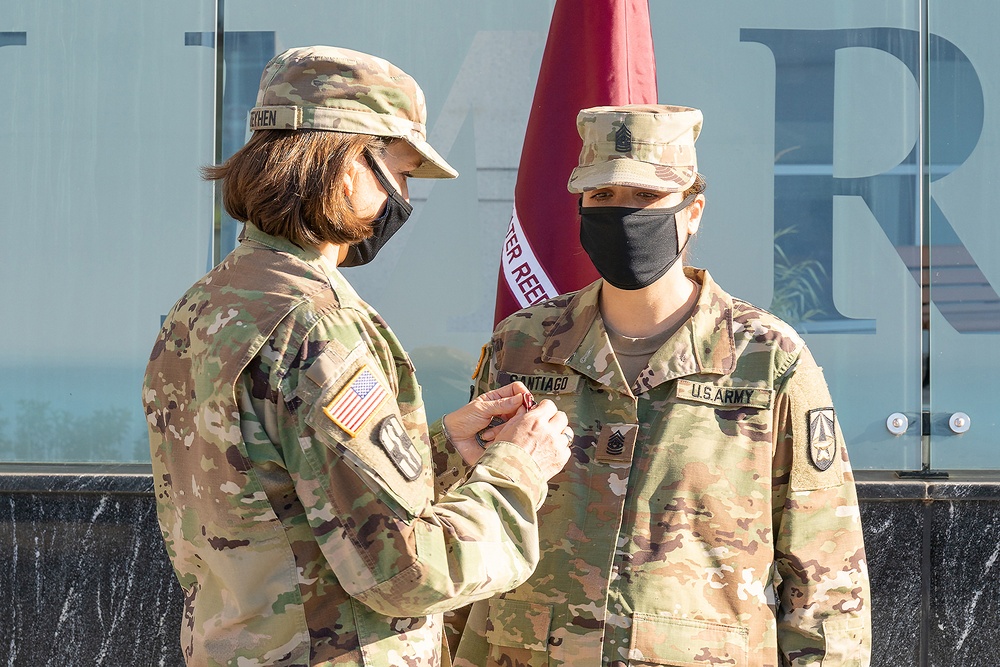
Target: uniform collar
(702,345)
(253,235)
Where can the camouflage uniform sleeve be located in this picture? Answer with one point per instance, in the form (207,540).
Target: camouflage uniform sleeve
(449,466)
(450,469)
(456,619)
(821,575)
(391,543)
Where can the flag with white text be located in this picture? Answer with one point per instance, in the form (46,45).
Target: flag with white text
(598,52)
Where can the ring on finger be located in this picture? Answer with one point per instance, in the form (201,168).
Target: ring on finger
(568,433)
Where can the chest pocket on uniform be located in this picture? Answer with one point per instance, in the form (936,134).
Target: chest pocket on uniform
(518,633)
(740,410)
(680,642)
(725,396)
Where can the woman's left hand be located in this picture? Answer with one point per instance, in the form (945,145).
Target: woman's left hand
(463,424)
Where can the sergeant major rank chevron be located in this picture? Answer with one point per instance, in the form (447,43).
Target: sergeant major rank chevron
(616,443)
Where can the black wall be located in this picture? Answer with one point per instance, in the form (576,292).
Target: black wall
(88,581)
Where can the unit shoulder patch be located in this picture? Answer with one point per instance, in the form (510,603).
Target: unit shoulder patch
(822,437)
(397,444)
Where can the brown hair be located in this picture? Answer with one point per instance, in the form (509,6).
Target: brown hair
(697,187)
(285,183)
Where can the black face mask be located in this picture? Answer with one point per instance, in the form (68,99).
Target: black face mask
(397,210)
(631,247)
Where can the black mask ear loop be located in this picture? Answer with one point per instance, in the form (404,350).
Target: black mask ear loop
(387,185)
(396,212)
(687,201)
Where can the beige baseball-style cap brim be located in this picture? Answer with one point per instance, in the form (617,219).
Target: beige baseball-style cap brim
(433,166)
(632,173)
(340,90)
(637,145)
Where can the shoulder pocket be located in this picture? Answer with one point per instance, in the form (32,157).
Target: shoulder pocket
(355,413)
(680,642)
(518,632)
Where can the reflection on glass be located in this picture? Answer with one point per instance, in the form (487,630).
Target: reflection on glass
(106,219)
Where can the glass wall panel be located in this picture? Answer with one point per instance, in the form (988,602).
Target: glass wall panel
(964,166)
(106,221)
(477,63)
(108,113)
(810,152)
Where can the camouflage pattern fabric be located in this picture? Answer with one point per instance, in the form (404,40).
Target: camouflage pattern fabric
(637,145)
(691,525)
(307,528)
(340,90)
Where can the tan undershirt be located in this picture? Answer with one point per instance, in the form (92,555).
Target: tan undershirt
(633,354)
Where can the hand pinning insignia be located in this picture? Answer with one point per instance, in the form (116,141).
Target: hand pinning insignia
(822,437)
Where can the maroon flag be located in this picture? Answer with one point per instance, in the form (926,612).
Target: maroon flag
(598,52)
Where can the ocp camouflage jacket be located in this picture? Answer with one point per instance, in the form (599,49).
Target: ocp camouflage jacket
(297,486)
(708,515)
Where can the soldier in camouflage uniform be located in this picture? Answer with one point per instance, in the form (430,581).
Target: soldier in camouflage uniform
(708,514)
(311,516)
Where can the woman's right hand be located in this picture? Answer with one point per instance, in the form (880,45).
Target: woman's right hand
(544,433)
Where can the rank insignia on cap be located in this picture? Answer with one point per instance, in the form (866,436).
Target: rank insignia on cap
(822,437)
(623,139)
(397,444)
(616,443)
(357,402)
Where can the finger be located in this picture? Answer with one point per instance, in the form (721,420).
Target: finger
(494,394)
(506,391)
(545,409)
(518,388)
(559,420)
(518,415)
(502,407)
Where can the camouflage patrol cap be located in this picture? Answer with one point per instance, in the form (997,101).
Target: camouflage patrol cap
(330,88)
(638,145)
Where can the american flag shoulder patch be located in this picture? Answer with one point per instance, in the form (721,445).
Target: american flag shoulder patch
(356,402)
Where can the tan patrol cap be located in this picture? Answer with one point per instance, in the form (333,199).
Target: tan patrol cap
(330,88)
(637,145)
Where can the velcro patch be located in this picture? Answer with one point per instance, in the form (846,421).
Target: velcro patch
(542,383)
(397,444)
(275,118)
(616,443)
(356,402)
(724,396)
(822,437)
